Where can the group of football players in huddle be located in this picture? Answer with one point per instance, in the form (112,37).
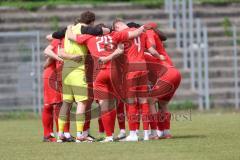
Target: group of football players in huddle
(124,68)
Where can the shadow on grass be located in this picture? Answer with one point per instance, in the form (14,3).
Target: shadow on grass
(188,136)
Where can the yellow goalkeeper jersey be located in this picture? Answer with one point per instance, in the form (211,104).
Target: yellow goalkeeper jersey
(71,47)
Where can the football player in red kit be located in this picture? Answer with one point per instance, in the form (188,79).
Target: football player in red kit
(161,119)
(158,74)
(52,90)
(136,79)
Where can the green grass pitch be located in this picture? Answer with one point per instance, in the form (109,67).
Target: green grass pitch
(206,136)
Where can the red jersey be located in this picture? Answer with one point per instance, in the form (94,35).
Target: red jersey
(53,71)
(154,39)
(101,46)
(134,50)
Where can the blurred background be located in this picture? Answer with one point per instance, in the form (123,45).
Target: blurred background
(203,41)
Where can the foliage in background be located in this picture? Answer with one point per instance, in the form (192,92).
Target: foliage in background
(185,105)
(54,23)
(33,5)
(227,25)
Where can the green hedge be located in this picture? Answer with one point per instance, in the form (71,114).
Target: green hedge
(33,5)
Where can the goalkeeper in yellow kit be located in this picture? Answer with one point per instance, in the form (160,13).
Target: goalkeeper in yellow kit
(74,79)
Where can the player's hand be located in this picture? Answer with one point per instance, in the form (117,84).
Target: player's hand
(69,26)
(106,30)
(49,37)
(150,26)
(59,59)
(162,58)
(102,60)
(77,58)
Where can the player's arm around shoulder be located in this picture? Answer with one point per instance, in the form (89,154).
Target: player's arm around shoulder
(115,54)
(48,51)
(70,35)
(76,58)
(155,53)
(137,32)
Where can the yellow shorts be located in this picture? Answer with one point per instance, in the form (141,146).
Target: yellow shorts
(74,85)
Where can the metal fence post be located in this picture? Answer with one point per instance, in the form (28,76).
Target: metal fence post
(170,3)
(166,6)
(206,78)
(185,57)
(191,39)
(39,74)
(199,55)
(177,25)
(235,62)
(33,75)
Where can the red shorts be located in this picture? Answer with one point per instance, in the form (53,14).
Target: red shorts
(136,84)
(167,84)
(52,91)
(102,86)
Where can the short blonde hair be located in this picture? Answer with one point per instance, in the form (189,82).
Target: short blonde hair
(115,22)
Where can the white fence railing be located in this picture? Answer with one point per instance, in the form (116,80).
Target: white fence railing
(21,74)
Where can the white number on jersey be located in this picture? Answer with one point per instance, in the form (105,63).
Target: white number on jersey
(107,40)
(137,42)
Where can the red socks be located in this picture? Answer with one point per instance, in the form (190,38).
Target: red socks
(153,121)
(121,115)
(113,116)
(145,115)
(139,112)
(100,125)
(56,114)
(87,116)
(164,120)
(167,120)
(132,116)
(160,122)
(107,123)
(47,119)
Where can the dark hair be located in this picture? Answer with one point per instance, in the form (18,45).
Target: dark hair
(116,21)
(133,25)
(86,17)
(101,25)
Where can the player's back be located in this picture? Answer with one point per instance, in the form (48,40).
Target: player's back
(134,52)
(154,38)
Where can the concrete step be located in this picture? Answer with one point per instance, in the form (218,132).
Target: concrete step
(77,7)
(222,93)
(218,21)
(103,15)
(212,42)
(14,26)
(185,95)
(216,12)
(16,100)
(221,51)
(223,82)
(222,61)
(221,72)
(223,103)
(217,31)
